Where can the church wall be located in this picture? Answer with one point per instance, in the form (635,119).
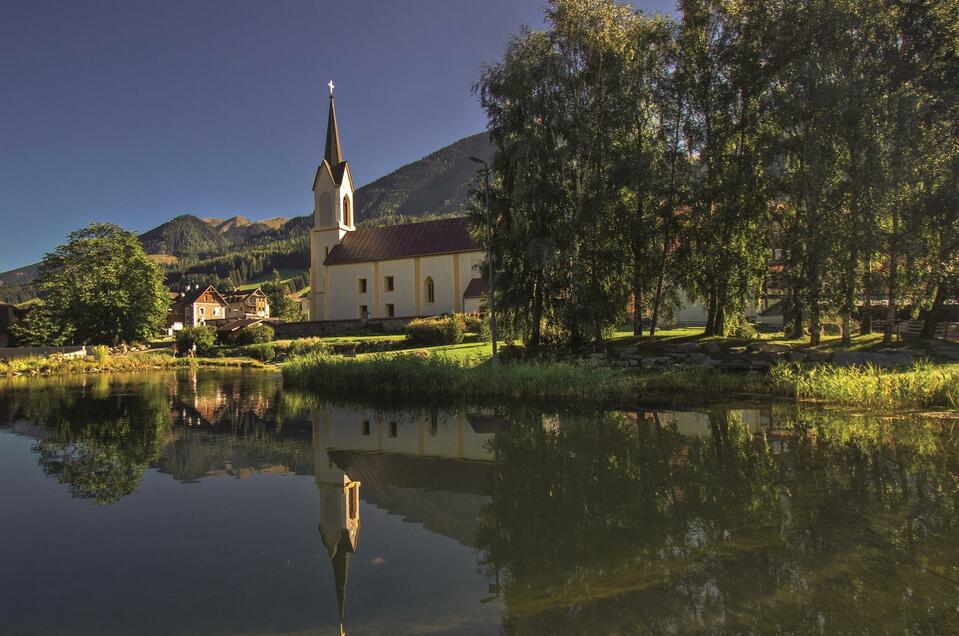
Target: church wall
(343,290)
(440,269)
(403,295)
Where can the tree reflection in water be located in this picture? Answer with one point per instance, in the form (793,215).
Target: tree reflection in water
(825,523)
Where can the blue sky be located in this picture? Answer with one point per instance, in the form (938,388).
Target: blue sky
(135,111)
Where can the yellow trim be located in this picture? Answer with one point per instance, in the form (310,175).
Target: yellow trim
(416,284)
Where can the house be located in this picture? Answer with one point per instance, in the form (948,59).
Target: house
(201,305)
(247,304)
(9,316)
(415,269)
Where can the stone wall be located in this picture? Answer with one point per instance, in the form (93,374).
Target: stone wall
(313,328)
(10,353)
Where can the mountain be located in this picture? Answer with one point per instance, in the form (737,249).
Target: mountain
(236,250)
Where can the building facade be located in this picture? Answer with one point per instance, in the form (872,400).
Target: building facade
(399,271)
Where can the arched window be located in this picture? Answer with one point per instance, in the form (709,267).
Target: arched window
(347,218)
(430,290)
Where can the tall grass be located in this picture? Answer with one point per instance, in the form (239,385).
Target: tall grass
(920,386)
(446,376)
(111,363)
(409,375)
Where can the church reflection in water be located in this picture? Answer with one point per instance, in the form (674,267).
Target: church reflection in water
(397,456)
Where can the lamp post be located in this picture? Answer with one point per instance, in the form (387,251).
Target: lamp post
(489,255)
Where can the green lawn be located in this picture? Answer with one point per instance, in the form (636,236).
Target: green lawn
(286,277)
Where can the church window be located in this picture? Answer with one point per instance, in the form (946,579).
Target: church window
(390,310)
(434,425)
(393,431)
(347,213)
(364,312)
(362,285)
(326,251)
(366,427)
(430,290)
(389,283)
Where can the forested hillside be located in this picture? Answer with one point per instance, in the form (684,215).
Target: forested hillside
(235,251)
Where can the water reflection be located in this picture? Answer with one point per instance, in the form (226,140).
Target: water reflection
(726,519)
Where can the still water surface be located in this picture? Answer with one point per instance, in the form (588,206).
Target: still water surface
(220,503)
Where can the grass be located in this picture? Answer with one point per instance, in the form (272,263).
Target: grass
(286,277)
(113,363)
(466,372)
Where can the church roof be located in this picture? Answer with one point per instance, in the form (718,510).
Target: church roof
(444,236)
(477,288)
(333,152)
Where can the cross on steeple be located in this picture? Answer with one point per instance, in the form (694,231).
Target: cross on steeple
(333,153)
(331,88)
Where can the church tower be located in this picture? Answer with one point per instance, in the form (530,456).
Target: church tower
(332,212)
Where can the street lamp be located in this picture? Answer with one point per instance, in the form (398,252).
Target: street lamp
(489,255)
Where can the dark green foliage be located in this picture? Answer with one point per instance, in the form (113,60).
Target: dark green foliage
(255,334)
(435,331)
(204,336)
(264,351)
(281,305)
(99,287)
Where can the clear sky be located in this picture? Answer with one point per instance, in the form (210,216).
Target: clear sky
(135,111)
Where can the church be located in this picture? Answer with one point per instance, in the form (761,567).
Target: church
(399,271)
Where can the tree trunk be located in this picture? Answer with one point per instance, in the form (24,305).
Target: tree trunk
(537,318)
(846,335)
(719,329)
(865,322)
(710,315)
(815,327)
(637,305)
(893,272)
(934,315)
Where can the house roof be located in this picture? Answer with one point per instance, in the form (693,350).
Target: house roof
(240,296)
(192,296)
(444,236)
(238,324)
(477,288)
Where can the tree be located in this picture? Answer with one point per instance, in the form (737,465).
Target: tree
(281,305)
(98,288)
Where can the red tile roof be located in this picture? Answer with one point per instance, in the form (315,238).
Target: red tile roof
(401,241)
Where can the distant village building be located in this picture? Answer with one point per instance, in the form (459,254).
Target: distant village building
(415,269)
(247,304)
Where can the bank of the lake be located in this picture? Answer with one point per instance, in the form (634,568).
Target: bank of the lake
(421,374)
(52,365)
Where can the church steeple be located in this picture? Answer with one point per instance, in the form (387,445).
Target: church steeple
(333,153)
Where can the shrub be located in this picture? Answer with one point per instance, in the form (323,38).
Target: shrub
(100,353)
(303,346)
(202,335)
(255,334)
(472,323)
(485,330)
(263,351)
(435,331)
(744,330)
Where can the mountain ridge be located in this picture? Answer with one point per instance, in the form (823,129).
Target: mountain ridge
(236,250)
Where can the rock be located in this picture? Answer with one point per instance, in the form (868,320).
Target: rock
(737,350)
(817,356)
(795,356)
(684,347)
(769,347)
(710,347)
(872,358)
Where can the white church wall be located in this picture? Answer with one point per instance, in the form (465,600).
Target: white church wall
(440,269)
(404,288)
(344,292)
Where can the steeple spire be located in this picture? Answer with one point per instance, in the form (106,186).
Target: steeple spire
(333,153)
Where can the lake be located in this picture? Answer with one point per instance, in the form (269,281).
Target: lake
(217,502)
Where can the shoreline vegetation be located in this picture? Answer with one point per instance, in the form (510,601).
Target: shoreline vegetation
(922,386)
(392,367)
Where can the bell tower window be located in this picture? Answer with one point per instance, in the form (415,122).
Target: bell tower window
(347,212)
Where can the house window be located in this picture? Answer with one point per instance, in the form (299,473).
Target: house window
(362,285)
(366,427)
(389,310)
(216,311)
(364,312)
(393,431)
(389,283)
(202,310)
(430,290)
